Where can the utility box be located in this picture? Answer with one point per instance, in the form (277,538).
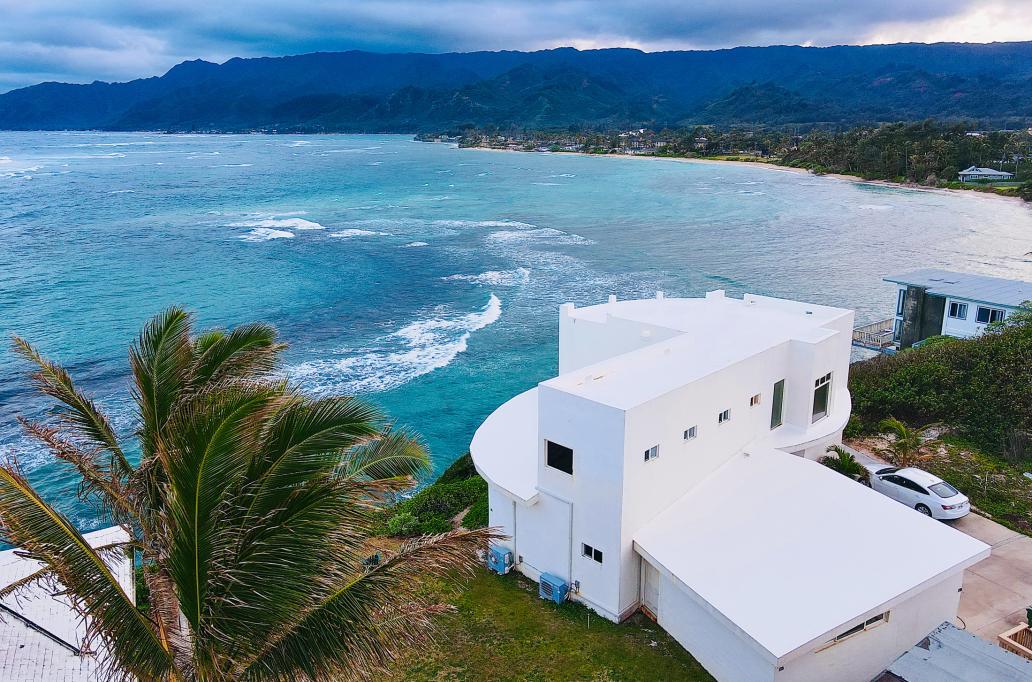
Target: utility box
(499,559)
(553,588)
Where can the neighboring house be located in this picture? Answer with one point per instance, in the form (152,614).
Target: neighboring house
(655,472)
(939,302)
(953,655)
(41,636)
(976,174)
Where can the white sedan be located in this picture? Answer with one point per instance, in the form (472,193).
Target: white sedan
(922,491)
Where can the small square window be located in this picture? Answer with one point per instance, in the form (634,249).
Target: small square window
(591,553)
(691,432)
(754,401)
(597,555)
(958,310)
(724,416)
(652,453)
(559,457)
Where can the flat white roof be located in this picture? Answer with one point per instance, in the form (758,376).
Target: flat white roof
(26,654)
(966,286)
(791,552)
(504,447)
(712,333)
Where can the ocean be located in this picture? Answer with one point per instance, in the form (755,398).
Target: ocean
(423,277)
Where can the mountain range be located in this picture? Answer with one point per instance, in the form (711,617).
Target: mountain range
(370,92)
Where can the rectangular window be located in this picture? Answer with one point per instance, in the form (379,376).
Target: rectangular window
(987,315)
(821,395)
(897,330)
(777,404)
(754,401)
(691,432)
(873,621)
(591,553)
(559,457)
(900,301)
(958,311)
(724,416)
(652,453)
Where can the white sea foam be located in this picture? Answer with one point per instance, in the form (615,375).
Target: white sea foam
(280,223)
(505,278)
(416,349)
(233,165)
(122,191)
(875,207)
(563,175)
(355,232)
(412,245)
(541,235)
(299,143)
(547,184)
(264,234)
(513,224)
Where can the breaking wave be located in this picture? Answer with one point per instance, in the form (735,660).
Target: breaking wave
(399,357)
(344,234)
(541,235)
(264,234)
(280,224)
(506,278)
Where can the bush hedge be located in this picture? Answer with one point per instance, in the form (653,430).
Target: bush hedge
(981,387)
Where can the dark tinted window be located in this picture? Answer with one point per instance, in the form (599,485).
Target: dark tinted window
(944,489)
(777,404)
(559,457)
(907,483)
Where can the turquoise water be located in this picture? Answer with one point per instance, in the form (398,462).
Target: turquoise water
(420,275)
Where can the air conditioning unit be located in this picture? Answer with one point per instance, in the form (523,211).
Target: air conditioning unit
(553,588)
(499,559)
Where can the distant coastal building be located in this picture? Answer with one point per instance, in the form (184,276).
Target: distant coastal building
(42,637)
(976,174)
(934,302)
(669,467)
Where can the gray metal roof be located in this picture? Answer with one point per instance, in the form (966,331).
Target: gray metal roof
(1005,292)
(949,654)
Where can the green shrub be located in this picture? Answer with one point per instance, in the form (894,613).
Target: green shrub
(432,509)
(402,524)
(844,463)
(980,387)
(477,516)
(855,428)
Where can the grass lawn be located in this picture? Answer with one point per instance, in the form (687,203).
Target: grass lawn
(501,630)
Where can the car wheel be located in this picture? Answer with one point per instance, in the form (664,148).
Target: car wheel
(865,481)
(923,509)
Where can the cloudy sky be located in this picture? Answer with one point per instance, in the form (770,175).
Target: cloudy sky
(86,40)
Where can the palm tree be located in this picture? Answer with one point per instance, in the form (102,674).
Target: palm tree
(908,446)
(251,510)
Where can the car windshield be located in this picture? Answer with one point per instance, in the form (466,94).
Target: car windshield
(944,489)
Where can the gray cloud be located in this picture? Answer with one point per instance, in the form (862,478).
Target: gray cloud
(84,40)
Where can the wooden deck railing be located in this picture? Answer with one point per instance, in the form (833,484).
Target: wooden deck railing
(1017,640)
(876,336)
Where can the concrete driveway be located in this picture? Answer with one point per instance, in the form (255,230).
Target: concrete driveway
(997,589)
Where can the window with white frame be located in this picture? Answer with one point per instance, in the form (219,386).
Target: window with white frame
(754,401)
(986,315)
(652,453)
(691,432)
(821,397)
(872,622)
(591,552)
(958,311)
(724,416)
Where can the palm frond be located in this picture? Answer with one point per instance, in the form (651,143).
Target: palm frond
(393,454)
(49,537)
(81,413)
(247,352)
(208,448)
(363,624)
(160,361)
(99,482)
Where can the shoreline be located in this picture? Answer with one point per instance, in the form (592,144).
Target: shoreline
(775,167)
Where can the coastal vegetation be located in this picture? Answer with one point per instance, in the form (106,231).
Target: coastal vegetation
(927,153)
(250,508)
(979,392)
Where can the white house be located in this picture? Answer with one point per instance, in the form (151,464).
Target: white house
(976,174)
(41,635)
(933,302)
(670,467)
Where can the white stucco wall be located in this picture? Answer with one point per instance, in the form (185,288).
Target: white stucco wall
(862,656)
(710,638)
(584,342)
